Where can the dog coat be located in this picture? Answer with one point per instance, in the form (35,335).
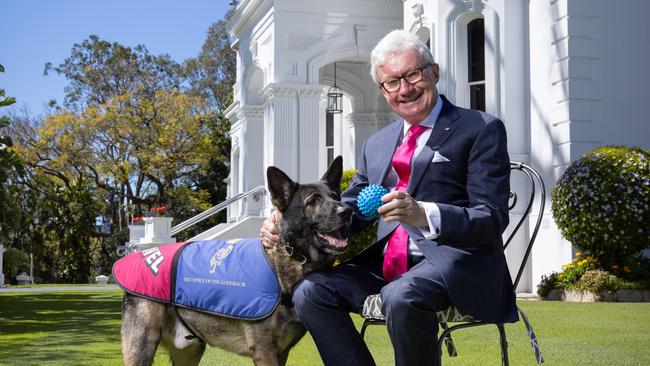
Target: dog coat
(228,278)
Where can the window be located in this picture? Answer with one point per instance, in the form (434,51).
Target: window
(329,137)
(476,64)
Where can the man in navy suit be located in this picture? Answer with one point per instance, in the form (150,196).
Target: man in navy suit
(452,204)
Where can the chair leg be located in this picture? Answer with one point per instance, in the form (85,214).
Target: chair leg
(368,322)
(504,345)
(363,328)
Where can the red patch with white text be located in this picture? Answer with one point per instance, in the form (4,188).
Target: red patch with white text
(148,272)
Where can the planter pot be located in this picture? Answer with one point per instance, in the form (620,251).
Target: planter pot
(579,296)
(629,295)
(136,232)
(600,296)
(646,295)
(156,232)
(607,296)
(554,295)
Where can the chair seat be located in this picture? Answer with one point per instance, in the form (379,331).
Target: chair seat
(372,310)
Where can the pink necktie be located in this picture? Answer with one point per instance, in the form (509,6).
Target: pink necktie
(395,259)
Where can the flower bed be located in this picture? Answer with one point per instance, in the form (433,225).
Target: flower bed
(583,281)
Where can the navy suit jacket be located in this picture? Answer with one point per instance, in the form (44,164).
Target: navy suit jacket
(471,191)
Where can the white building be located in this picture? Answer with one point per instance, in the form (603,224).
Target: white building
(564,75)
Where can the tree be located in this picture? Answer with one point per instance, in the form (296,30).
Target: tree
(9,164)
(213,74)
(99,71)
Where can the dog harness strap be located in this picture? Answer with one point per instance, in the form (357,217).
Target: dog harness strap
(286,300)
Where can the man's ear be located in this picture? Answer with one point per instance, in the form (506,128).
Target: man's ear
(281,187)
(334,174)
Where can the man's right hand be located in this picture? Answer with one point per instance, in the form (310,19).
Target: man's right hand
(269,232)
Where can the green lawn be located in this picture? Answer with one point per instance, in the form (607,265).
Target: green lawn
(82,328)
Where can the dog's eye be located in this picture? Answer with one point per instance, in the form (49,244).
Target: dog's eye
(312,199)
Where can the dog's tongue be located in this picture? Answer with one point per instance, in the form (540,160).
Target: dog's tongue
(336,240)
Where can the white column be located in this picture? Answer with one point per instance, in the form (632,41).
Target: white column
(291,115)
(309,114)
(247,158)
(251,156)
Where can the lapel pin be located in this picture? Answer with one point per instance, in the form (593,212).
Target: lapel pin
(446,129)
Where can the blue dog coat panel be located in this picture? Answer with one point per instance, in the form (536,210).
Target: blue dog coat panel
(228,278)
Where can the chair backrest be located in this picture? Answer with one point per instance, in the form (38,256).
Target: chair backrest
(536,189)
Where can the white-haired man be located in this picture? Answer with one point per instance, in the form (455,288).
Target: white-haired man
(439,233)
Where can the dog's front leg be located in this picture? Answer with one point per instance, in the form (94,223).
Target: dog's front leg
(262,356)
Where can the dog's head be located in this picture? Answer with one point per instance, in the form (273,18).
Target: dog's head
(313,221)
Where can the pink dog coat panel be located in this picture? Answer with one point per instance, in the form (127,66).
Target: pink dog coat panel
(148,273)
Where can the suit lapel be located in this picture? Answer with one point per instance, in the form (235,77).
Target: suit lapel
(443,128)
(386,155)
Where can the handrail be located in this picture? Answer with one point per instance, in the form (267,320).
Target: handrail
(213,210)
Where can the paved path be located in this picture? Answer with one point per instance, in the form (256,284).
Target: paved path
(58,288)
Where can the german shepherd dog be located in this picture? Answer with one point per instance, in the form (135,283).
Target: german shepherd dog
(312,224)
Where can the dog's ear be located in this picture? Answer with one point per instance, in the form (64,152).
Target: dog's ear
(334,174)
(281,187)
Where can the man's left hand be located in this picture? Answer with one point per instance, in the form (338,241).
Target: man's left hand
(400,206)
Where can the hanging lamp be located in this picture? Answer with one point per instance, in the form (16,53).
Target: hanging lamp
(334,97)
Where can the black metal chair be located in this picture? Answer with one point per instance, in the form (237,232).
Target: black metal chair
(371,311)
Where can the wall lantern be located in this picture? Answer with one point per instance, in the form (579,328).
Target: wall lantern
(334,97)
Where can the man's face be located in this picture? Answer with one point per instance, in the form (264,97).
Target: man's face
(413,102)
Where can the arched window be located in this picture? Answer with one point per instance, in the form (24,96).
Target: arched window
(476,64)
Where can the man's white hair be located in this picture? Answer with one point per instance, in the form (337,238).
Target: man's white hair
(396,41)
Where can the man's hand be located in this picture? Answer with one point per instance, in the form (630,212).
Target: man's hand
(269,232)
(400,206)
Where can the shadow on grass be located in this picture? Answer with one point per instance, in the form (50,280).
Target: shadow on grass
(78,327)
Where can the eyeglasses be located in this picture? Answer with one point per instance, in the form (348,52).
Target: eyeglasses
(411,77)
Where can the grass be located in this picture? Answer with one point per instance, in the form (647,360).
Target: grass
(82,328)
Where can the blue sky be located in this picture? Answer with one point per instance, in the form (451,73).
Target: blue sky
(33,32)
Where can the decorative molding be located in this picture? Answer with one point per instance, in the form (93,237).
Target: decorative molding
(374,119)
(303,42)
(251,111)
(275,90)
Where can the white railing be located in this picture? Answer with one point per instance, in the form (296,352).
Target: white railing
(255,192)
(136,241)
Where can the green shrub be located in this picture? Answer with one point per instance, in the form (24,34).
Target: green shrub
(601,204)
(362,239)
(546,284)
(583,273)
(599,280)
(15,262)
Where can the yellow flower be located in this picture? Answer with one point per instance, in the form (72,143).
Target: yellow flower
(578,254)
(567,266)
(561,275)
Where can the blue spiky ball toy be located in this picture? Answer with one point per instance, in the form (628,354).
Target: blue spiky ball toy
(369,200)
